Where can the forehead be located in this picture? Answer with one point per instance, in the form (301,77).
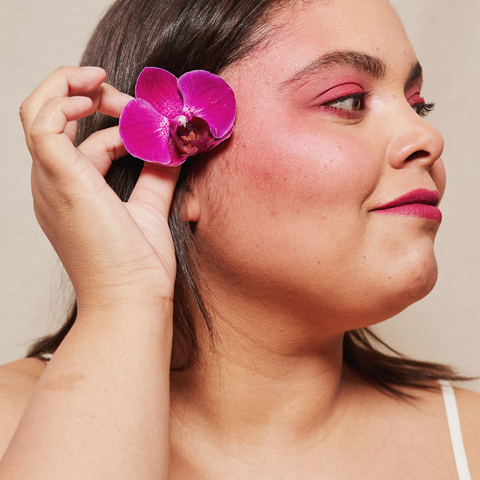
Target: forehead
(342,24)
(305,30)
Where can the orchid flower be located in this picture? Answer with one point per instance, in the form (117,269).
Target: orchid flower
(172,119)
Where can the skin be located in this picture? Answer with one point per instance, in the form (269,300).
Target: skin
(297,162)
(293,255)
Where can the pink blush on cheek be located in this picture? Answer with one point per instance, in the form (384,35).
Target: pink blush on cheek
(320,170)
(287,155)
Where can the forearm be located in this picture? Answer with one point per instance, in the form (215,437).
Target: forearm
(101,408)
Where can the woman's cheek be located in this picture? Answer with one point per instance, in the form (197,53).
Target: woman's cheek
(324,169)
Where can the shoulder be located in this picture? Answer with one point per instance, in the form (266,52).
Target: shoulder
(429,412)
(415,426)
(17,383)
(469,412)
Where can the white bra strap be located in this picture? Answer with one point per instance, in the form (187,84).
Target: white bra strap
(46,356)
(455,431)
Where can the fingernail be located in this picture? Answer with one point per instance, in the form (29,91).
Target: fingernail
(92,68)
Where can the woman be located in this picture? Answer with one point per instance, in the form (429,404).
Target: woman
(288,237)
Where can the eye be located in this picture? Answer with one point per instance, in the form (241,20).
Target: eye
(420,106)
(349,106)
(352,103)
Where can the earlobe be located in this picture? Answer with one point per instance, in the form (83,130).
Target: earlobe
(192,207)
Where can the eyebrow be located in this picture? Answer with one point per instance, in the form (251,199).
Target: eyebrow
(363,62)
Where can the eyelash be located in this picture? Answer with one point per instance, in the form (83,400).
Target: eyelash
(422,109)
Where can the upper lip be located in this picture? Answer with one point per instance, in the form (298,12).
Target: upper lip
(420,195)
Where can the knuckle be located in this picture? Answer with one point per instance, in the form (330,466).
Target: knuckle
(54,102)
(110,149)
(37,132)
(64,70)
(43,122)
(24,108)
(103,144)
(61,75)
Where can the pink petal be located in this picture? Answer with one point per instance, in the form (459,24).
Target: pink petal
(217,141)
(176,157)
(209,97)
(227,135)
(159,88)
(145,132)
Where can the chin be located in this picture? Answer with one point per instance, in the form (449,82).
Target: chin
(422,284)
(407,288)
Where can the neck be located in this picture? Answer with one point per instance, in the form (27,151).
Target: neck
(268,386)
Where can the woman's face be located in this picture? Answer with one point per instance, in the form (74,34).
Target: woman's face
(328,131)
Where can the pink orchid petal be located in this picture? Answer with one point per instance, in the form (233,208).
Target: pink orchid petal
(159,88)
(209,97)
(145,132)
(227,135)
(176,157)
(217,141)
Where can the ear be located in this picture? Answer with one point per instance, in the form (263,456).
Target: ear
(192,205)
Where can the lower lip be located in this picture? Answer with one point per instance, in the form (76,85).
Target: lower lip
(414,210)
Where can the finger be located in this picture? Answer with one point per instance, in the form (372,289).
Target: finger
(51,146)
(108,100)
(66,81)
(71,130)
(155,187)
(102,148)
(105,99)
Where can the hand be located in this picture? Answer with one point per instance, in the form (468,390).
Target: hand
(112,251)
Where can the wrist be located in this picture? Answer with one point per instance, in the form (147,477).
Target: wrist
(126,307)
(124,296)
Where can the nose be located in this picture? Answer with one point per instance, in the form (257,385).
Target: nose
(414,140)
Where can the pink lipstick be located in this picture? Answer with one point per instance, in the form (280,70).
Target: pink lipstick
(417,203)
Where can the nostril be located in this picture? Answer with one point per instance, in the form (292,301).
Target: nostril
(418,155)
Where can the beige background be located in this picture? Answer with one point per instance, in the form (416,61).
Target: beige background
(38,36)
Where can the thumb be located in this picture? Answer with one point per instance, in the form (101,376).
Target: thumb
(155,187)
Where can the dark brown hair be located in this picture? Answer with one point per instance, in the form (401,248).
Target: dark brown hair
(179,36)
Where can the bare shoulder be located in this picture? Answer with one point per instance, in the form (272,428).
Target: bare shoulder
(17,382)
(430,416)
(469,412)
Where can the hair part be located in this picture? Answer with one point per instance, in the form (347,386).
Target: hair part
(179,36)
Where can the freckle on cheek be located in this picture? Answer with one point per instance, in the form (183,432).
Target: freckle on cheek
(67,382)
